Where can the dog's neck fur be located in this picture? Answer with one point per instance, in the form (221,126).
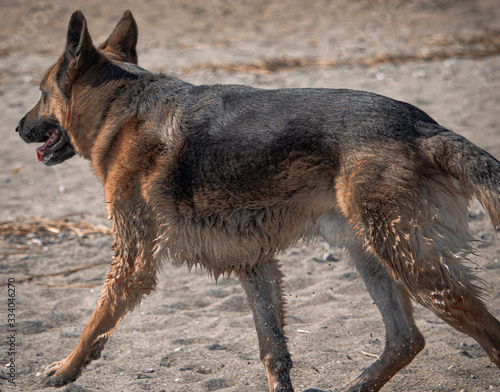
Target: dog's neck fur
(84,122)
(93,128)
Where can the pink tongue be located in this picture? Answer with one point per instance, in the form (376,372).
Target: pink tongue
(41,150)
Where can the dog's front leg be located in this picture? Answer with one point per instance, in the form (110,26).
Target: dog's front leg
(133,275)
(111,308)
(262,285)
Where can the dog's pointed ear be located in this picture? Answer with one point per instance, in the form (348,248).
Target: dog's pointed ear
(79,47)
(123,39)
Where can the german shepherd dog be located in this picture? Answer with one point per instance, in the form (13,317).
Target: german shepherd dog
(228,176)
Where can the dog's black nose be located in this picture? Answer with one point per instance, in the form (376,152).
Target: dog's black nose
(17,128)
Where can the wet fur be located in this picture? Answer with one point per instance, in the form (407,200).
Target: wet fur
(226,177)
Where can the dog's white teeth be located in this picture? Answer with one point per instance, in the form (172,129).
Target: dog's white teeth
(54,137)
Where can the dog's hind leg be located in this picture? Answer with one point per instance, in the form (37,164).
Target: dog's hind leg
(262,285)
(431,270)
(444,285)
(415,222)
(133,275)
(403,340)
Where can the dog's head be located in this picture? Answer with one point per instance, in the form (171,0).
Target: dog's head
(48,121)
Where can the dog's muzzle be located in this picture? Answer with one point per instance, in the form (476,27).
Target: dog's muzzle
(56,146)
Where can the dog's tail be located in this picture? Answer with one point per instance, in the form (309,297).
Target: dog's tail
(477,170)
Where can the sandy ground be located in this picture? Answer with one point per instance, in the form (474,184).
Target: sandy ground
(193,334)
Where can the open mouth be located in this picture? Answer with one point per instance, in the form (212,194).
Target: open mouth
(53,141)
(56,144)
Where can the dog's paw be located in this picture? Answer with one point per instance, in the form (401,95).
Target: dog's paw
(59,374)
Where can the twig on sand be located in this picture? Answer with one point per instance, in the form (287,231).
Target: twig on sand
(369,354)
(487,44)
(64,272)
(23,226)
